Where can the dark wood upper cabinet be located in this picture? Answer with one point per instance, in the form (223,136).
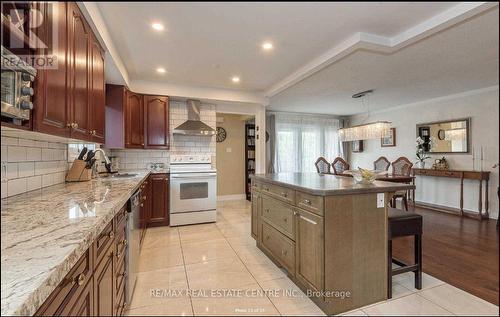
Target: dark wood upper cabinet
(159,215)
(97,109)
(79,72)
(69,98)
(116,96)
(51,112)
(156,123)
(134,121)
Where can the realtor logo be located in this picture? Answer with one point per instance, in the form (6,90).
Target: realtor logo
(29,31)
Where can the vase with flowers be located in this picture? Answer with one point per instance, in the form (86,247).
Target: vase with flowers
(420,153)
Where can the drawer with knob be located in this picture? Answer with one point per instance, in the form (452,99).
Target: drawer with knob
(315,204)
(279,215)
(279,192)
(281,247)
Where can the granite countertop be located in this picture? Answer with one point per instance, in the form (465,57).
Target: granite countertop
(327,184)
(45,232)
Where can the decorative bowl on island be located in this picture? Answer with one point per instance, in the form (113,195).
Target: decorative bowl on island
(364,176)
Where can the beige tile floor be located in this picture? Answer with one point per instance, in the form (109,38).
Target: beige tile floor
(223,256)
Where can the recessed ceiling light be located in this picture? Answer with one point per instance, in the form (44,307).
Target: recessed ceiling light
(235,79)
(157,26)
(267,46)
(161,70)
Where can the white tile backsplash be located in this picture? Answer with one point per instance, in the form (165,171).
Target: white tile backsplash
(29,164)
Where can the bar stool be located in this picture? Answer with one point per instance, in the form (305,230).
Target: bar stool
(404,224)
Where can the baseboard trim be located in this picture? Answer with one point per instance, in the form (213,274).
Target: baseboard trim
(231,197)
(451,210)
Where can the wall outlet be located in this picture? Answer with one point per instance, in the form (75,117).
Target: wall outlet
(380,200)
(229,150)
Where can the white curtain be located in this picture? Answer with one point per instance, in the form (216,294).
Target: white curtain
(301,139)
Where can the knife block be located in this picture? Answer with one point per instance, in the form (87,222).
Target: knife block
(78,172)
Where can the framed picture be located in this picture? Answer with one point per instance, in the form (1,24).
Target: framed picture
(389,140)
(357,146)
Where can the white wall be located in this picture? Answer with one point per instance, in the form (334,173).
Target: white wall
(482,106)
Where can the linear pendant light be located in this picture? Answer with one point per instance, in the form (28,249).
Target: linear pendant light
(372,130)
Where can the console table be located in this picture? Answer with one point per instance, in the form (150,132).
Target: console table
(460,174)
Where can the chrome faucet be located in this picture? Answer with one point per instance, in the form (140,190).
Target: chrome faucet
(107,163)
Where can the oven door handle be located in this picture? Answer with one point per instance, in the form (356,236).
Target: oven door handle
(204,175)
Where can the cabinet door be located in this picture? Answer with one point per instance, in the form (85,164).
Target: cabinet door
(79,72)
(97,108)
(51,112)
(104,284)
(309,251)
(159,199)
(256,203)
(156,122)
(83,305)
(134,121)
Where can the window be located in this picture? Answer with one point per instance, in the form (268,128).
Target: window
(300,140)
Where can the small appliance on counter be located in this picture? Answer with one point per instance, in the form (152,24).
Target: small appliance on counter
(17,93)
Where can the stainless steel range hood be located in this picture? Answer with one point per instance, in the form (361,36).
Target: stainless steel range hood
(193,125)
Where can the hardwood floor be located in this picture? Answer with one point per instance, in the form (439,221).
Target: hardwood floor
(460,251)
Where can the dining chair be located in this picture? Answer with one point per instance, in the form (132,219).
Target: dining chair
(322,165)
(381,164)
(339,166)
(401,166)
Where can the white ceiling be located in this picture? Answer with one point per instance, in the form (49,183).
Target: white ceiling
(205,44)
(462,58)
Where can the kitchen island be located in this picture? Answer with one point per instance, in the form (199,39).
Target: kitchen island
(328,233)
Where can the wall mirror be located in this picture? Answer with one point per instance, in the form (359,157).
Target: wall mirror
(451,136)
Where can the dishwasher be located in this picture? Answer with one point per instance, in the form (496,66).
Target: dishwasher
(134,237)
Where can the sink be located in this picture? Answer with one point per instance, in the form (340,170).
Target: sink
(118,175)
(123,175)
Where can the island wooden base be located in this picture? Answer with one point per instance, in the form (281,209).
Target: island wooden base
(333,247)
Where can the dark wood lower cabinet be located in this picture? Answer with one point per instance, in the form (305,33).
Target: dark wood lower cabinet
(83,305)
(90,288)
(104,285)
(159,200)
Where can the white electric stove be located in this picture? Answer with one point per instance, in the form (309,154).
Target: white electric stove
(193,190)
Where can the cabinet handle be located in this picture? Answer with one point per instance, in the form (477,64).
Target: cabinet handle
(80,279)
(295,213)
(111,235)
(122,274)
(307,201)
(309,220)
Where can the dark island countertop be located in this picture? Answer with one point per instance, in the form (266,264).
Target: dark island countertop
(328,184)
